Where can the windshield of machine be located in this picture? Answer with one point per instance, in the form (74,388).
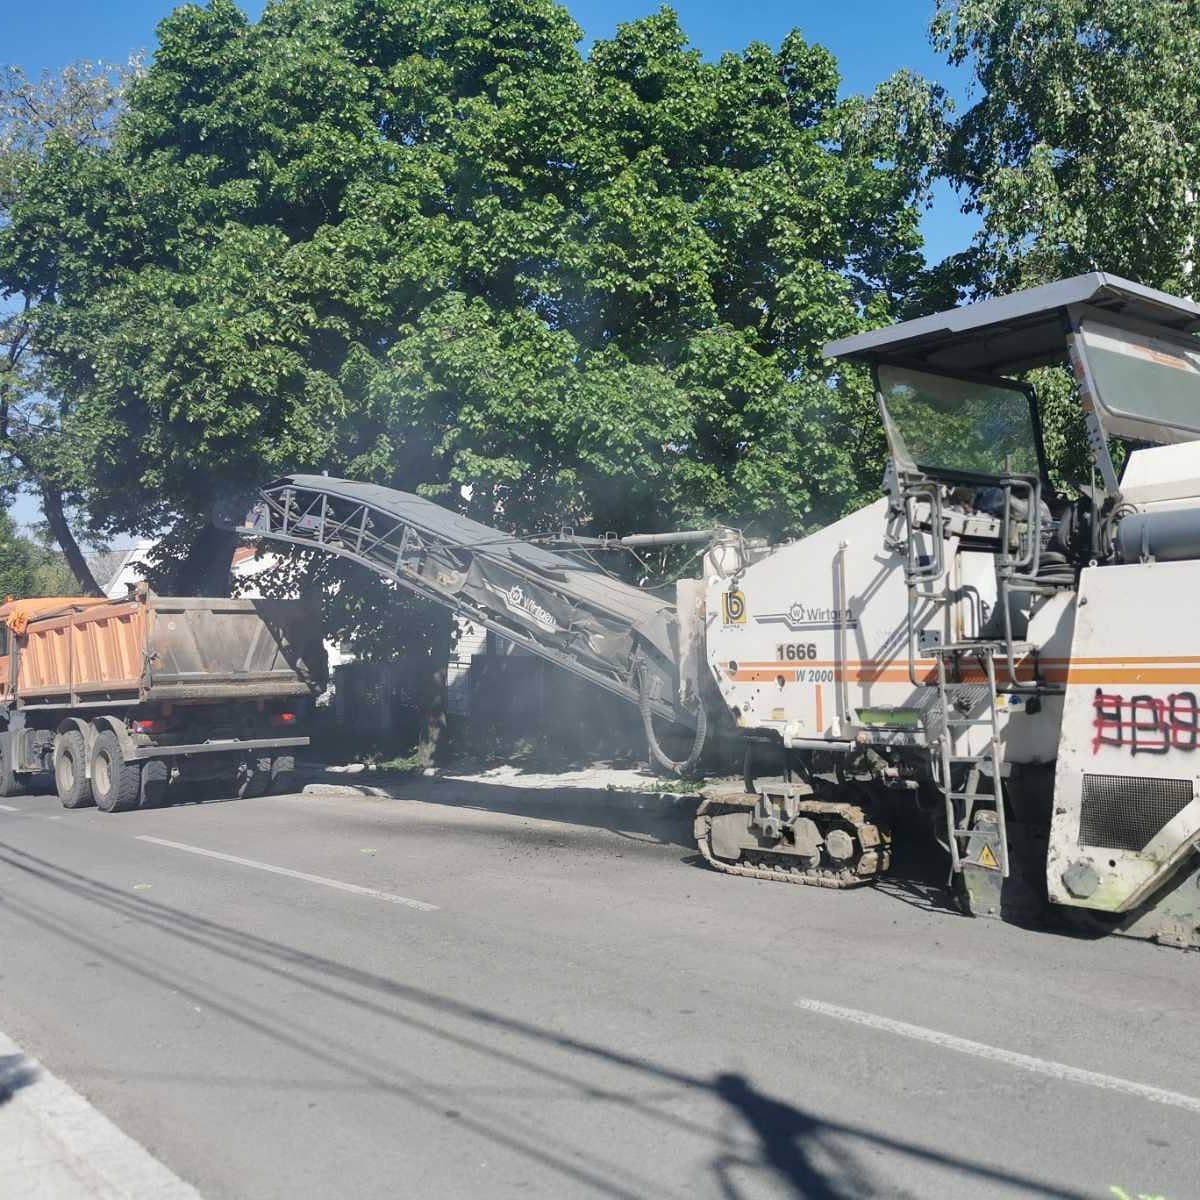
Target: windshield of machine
(1147,387)
(961,425)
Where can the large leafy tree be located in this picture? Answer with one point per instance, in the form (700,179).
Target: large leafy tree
(1080,151)
(432,245)
(41,118)
(1082,147)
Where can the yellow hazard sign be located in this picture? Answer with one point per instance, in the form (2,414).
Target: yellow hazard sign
(988,859)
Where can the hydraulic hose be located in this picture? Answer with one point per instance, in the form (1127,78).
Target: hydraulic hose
(681,767)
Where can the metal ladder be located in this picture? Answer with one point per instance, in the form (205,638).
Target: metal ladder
(950,692)
(918,507)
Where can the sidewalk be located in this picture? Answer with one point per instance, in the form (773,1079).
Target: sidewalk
(632,802)
(55,1146)
(624,787)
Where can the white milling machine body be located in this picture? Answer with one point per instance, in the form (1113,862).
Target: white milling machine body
(1017,665)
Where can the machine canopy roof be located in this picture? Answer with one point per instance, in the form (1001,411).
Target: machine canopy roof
(1011,334)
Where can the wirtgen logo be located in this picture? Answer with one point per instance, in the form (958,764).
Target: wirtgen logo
(516,601)
(800,616)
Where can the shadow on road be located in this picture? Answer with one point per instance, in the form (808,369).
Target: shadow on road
(803,1154)
(15,1073)
(787,1137)
(625,814)
(917,879)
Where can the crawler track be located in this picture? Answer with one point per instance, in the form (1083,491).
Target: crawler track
(873,845)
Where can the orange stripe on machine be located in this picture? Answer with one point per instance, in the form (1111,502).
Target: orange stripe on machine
(1098,672)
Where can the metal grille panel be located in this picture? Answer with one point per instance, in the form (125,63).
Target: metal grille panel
(1124,812)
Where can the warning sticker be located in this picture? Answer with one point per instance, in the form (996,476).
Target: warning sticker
(988,859)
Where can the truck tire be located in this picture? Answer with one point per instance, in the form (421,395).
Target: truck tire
(156,778)
(11,784)
(116,784)
(283,774)
(70,770)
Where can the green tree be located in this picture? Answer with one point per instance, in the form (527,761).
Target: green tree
(40,119)
(1082,150)
(18,562)
(434,246)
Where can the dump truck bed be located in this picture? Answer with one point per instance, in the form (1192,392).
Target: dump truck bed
(156,648)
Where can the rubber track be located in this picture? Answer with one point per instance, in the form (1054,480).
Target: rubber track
(845,878)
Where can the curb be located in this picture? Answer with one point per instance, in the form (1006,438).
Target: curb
(345,789)
(69,1148)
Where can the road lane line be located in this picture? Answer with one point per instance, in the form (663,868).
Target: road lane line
(1026,1062)
(390,897)
(54,1136)
(9,808)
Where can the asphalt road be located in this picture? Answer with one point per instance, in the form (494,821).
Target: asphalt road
(496,1003)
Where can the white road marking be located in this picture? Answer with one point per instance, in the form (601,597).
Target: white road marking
(9,808)
(58,1144)
(390,897)
(1026,1062)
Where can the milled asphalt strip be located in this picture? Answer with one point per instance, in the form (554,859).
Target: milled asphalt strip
(390,897)
(1010,1058)
(44,1117)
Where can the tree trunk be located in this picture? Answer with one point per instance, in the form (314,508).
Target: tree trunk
(431,747)
(205,569)
(56,518)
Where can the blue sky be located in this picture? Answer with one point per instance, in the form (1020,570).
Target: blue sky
(870,39)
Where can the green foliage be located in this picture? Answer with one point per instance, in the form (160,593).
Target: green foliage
(16,562)
(1083,149)
(31,566)
(1081,152)
(43,124)
(1063,431)
(51,574)
(433,246)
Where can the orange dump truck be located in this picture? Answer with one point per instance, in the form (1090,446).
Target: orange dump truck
(118,698)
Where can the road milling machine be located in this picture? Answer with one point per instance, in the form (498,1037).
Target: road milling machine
(974,649)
